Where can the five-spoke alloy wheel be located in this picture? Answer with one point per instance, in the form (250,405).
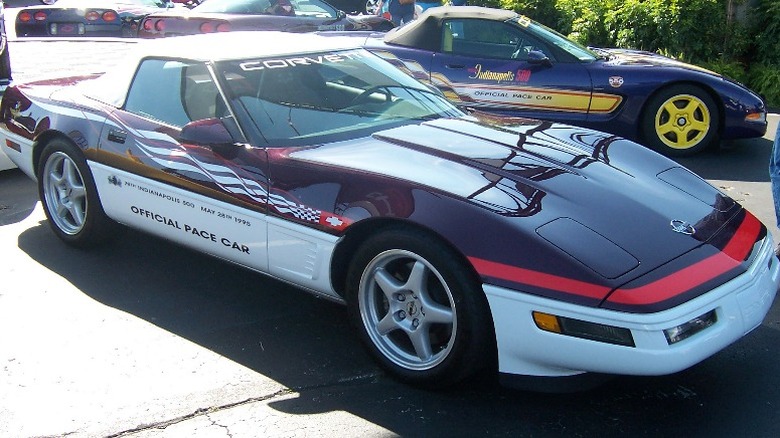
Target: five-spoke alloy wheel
(420,310)
(680,120)
(69,196)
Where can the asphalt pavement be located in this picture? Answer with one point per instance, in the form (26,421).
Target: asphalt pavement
(146,339)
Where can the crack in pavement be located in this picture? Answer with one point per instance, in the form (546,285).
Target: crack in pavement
(350,380)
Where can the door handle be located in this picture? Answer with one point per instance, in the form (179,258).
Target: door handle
(455,66)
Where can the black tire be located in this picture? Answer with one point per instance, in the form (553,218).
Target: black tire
(69,197)
(680,120)
(419,309)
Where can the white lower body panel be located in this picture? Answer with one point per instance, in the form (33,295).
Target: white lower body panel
(523,349)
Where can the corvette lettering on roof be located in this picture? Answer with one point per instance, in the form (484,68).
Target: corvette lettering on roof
(270,64)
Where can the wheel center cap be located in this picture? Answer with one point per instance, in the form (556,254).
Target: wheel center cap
(412,309)
(682,121)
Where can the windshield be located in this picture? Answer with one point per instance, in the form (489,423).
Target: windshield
(546,34)
(336,95)
(309,8)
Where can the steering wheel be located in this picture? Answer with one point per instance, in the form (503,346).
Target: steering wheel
(365,95)
(520,50)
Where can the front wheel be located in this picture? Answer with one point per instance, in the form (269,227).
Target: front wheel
(69,196)
(680,121)
(419,310)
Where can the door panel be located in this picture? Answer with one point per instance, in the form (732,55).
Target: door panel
(489,65)
(214,199)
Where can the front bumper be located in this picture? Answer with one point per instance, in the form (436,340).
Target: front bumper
(523,349)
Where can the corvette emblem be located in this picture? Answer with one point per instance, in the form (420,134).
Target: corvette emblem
(616,81)
(682,227)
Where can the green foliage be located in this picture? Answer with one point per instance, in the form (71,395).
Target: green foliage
(543,11)
(731,69)
(488,3)
(765,80)
(584,21)
(767,40)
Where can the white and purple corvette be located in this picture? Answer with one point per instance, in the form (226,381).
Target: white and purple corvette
(459,243)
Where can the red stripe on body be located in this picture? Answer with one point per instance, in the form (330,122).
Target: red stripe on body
(735,251)
(538,279)
(730,257)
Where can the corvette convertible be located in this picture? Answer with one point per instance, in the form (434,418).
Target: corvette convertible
(87,18)
(499,61)
(459,243)
(284,15)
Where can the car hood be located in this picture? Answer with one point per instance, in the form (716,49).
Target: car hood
(644,58)
(571,186)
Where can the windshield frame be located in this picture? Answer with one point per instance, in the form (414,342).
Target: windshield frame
(574,49)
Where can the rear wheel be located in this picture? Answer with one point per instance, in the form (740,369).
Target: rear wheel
(69,196)
(419,310)
(680,121)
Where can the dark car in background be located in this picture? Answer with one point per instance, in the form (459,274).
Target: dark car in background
(232,15)
(92,18)
(355,6)
(499,61)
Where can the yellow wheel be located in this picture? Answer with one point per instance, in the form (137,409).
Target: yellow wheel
(681,120)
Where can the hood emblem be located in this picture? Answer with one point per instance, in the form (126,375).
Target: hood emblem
(682,227)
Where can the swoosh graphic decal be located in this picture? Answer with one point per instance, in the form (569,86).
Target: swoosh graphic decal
(228,180)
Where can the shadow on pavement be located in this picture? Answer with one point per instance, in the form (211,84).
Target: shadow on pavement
(20,194)
(748,161)
(307,345)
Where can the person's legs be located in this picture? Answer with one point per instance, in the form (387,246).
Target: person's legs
(400,19)
(774,174)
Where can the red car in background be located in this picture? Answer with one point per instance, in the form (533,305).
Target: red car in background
(284,15)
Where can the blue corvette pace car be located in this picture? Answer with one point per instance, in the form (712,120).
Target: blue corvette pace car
(499,61)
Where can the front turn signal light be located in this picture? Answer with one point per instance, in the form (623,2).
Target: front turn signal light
(583,329)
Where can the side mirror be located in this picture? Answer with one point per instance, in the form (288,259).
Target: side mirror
(537,57)
(206,132)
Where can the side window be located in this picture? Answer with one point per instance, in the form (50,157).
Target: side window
(173,92)
(487,39)
(313,8)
